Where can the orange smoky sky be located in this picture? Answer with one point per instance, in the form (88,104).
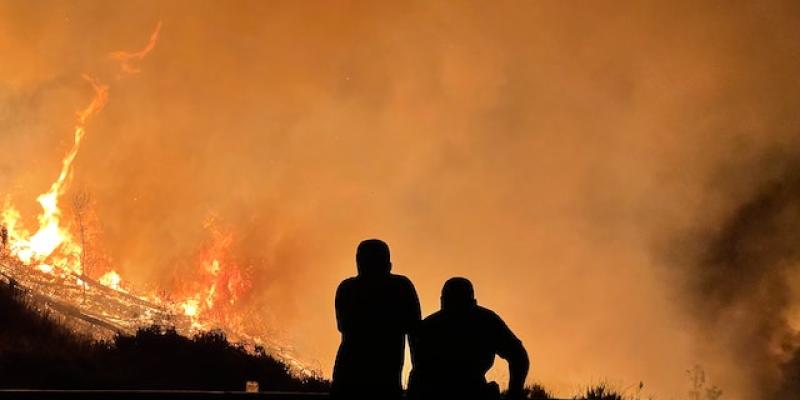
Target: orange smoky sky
(555,153)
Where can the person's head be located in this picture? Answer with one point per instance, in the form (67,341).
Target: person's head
(458,294)
(372,258)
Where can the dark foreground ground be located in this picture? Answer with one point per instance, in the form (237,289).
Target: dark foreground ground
(176,395)
(50,362)
(155,395)
(591,394)
(37,352)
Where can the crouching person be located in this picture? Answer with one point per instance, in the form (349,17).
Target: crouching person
(453,349)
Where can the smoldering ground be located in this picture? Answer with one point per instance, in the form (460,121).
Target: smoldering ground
(548,151)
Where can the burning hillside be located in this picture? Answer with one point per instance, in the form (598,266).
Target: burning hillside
(52,263)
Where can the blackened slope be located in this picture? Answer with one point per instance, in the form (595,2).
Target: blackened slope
(36,352)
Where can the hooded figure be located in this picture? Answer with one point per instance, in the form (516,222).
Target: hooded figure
(375,310)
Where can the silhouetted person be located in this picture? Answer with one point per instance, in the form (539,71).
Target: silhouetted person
(453,349)
(4,236)
(375,310)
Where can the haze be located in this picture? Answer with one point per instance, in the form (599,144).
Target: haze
(571,160)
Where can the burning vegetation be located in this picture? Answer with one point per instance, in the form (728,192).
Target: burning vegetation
(60,266)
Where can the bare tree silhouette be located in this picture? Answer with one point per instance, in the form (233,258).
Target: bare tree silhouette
(80,202)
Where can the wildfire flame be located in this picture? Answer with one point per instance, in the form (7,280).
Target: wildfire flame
(51,235)
(206,297)
(111,279)
(52,246)
(218,282)
(125,57)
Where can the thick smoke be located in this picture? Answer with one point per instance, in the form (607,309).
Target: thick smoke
(589,167)
(744,286)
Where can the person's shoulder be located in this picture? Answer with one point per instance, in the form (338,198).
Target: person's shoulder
(436,315)
(402,280)
(488,315)
(347,283)
(490,321)
(433,318)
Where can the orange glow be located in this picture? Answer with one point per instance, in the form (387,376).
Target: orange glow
(125,58)
(52,241)
(205,297)
(569,160)
(190,307)
(46,268)
(217,284)
(111,279)
(51,235)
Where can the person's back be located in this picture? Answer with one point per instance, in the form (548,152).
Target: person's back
(455,347)
(374,312)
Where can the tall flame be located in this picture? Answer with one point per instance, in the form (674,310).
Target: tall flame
(125,57)
(51,236)
(218,283)
(205,299)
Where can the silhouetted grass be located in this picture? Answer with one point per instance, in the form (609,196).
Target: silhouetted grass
(536,392)
(600,392)
(597,392)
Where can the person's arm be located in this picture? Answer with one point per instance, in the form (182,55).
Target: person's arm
(413,318)
(518,366)
(510,348)
(341,315)
(416,311)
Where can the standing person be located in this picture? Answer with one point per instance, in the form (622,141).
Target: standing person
(375,310)
(454,348)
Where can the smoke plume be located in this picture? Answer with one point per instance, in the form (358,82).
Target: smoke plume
(606,174)
(744,283)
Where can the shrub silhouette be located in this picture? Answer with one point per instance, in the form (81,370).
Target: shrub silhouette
(536,392)
(40,353)
(600,392)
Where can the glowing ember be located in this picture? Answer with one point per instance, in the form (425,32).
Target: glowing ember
(190,307)
(46,268)
(213,268)
(111,279)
